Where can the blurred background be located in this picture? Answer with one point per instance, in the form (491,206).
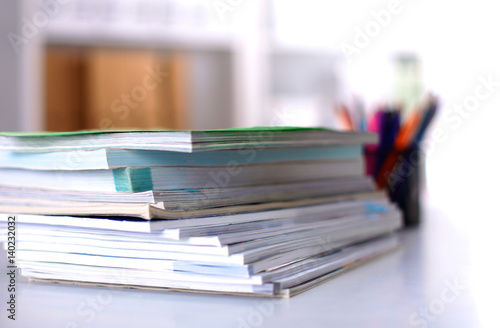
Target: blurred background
(202,64)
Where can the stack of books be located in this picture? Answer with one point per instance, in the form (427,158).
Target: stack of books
(259,211)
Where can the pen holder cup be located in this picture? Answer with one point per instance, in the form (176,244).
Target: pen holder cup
(403,182)
(403,185)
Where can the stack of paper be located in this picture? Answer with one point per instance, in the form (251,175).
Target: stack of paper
(266,211)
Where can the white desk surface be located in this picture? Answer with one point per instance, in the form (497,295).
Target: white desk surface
(406,288)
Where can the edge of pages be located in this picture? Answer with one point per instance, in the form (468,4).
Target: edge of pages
(91,132)
(285,293)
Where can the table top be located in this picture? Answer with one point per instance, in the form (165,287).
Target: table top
(442,276)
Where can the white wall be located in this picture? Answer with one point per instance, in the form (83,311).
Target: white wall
(457,42)
(20,75)
(9,81)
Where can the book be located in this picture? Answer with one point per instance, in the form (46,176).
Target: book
(303,240)
(186,199)
(281,281)
(183,141)
(104,159)
(222,239)
(154,211)
(167,177)
(143,213)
